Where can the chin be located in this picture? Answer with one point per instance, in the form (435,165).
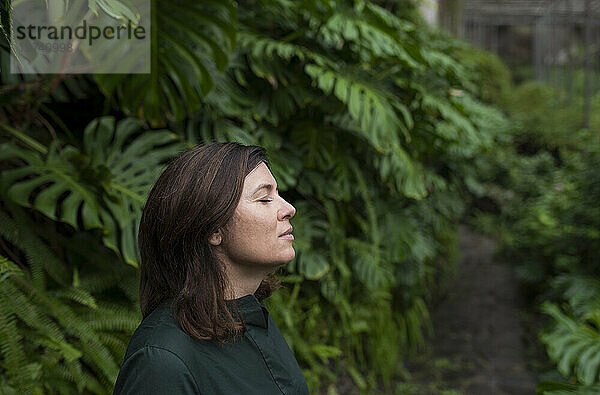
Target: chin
(291,256)
(286,260)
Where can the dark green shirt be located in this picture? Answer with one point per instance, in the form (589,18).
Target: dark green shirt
(162,359)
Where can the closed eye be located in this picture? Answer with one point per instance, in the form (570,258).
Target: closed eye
(265,200)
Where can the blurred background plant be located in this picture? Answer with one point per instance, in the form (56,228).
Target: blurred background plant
(540,202)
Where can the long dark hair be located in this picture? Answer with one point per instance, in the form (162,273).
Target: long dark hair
(194,197)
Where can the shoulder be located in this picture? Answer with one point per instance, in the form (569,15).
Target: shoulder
(157,357)
(159,330)
(152,369)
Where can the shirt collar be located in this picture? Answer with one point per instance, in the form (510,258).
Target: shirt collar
(253,312)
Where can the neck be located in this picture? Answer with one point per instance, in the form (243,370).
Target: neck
(242,280)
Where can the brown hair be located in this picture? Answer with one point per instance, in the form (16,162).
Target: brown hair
(194,197)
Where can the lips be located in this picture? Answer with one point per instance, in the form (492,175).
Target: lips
(287,232)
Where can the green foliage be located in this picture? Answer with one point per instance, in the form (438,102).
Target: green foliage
(490,75)
(372,134)
(553,212)
(103,185)
(190,42)
(551,227)
(57,334)
(542,120)
(543,182)
(574,345)
(551,388)
(573,340)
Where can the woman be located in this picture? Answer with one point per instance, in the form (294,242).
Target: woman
(213,230)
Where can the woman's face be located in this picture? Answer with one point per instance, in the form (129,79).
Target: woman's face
(261,217)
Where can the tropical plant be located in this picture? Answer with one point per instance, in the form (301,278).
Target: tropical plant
(103,186)
(573,341)
(190,44)
(57,332)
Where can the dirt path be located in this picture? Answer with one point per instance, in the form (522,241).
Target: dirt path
(478,347)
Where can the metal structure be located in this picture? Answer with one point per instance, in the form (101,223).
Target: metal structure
(558,41)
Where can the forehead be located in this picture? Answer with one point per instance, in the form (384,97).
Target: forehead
(258,176)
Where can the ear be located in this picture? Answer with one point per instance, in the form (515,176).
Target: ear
(215,239)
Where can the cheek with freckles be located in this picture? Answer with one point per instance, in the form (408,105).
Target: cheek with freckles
(253,236)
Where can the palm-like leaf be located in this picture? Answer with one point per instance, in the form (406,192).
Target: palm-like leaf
(103,186)
(574,344)
(190,41)
(554,388)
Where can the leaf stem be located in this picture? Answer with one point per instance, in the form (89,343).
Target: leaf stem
(294,35)
(25,139)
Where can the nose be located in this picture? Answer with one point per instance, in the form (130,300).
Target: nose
(286,211)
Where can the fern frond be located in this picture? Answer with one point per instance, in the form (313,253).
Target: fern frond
(113,318)
(47,334)
(41,260)
(11,350)
(78,295)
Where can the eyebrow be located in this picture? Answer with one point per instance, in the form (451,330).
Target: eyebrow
(268,187)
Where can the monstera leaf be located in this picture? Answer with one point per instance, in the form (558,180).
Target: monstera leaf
(190,40)
(103,186)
